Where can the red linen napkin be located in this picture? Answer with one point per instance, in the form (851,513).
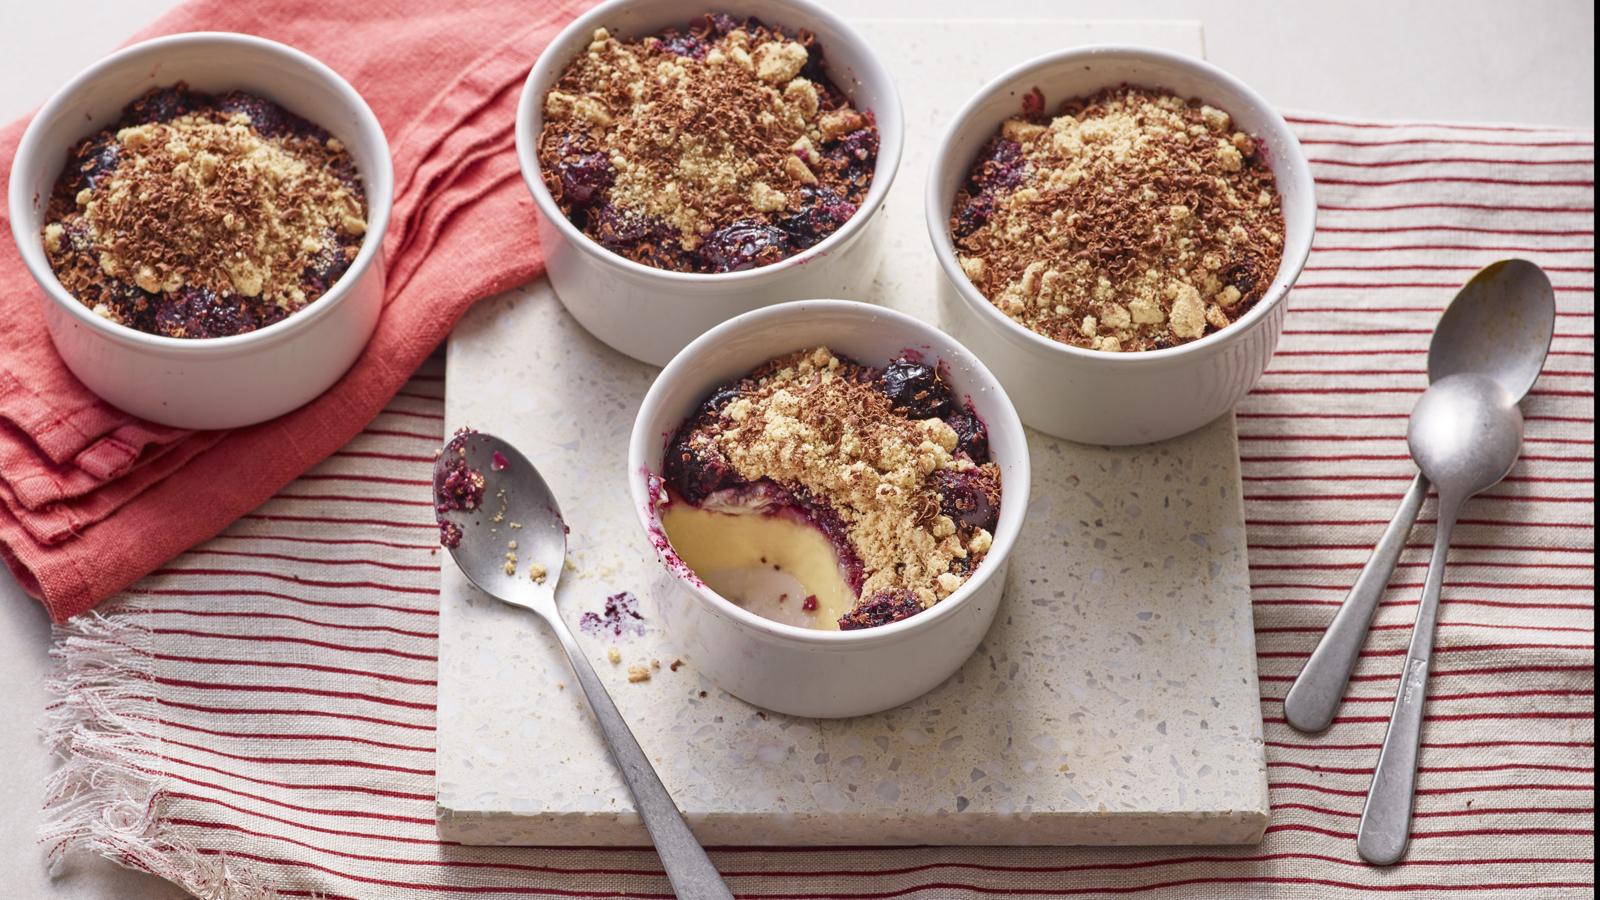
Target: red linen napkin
(92,498)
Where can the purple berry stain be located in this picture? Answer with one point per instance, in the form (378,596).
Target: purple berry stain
(620,618)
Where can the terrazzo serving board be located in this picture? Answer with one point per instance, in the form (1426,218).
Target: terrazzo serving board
(1114,702)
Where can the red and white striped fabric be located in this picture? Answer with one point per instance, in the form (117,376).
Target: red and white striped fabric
(258,716)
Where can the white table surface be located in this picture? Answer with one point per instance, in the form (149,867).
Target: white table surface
(1443,60)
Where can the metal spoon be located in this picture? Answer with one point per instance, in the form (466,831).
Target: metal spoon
(515,492)
(1465,434)
(1500,325)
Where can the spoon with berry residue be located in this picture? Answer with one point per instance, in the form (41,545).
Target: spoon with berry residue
(501,524)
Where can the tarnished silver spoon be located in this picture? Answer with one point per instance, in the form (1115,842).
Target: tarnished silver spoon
(503,487)
(1499,325)
(1465,434)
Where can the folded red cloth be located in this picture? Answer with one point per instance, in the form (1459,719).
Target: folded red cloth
(92,498)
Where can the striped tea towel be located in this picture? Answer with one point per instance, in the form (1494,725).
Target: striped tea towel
(257,717)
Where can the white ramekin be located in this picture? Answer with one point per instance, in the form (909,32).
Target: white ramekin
(220,382)
(650,313)
(797,670)
(1118,398)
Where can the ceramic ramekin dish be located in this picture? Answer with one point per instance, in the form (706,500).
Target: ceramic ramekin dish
(1118,398)
(220,382)
(796,670)
(651,313)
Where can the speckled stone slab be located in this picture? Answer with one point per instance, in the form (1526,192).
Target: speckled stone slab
(1114,702)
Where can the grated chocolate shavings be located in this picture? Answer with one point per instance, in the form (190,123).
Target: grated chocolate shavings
(199,216)
(716,148)
(1131,220)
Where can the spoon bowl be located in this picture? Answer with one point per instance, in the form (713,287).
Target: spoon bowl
(1465,434)
(515,531)
(1500,324)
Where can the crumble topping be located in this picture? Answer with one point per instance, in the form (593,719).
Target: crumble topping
(719,148)
(1131,220)
(883,460)
(461,488)
(197,216)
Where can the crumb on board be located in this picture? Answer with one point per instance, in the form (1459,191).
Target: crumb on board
(675,664)
(637,674)
(614,655)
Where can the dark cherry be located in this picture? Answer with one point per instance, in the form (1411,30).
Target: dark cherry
(685,45)
(970,497)
(745,244)
(269,314)
(859,146)
(615,228)
(1000,166)
(816,67)
(973,214)
(696,475)
(719,398)
(822,211)
(137,307)
(98,159)
(1244,274)
(162,105)
(881,609)
(267,118)
(199,313)
(328,267)
(915,389)
(972,436)
(583,177)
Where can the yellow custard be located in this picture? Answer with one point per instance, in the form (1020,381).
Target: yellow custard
(768,564)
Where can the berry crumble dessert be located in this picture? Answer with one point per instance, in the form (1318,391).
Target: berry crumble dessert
(1132,219)
(200,216)
(716,148)
(825,493)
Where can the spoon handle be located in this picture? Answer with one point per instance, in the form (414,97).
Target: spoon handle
(1314,697)
(688,868)
(1386,819)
